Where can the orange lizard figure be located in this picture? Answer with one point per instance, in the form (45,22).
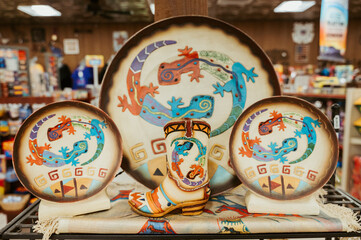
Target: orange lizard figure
(247,148)
(136,91)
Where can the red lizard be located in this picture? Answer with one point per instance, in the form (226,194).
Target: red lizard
(55,133)
(265,127)
(170,73)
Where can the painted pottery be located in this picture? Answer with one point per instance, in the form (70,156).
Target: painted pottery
(67,151)
(183,67)
(283,148)
(186,185)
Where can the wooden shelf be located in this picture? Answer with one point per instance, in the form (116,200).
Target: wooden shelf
(316,95)
(355,140)
(24,100)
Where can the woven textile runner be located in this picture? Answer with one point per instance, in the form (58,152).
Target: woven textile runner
(224,213)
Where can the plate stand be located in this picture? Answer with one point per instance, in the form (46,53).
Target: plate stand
(258,204)
(98,202)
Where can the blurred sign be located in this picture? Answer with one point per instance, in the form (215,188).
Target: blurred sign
(333,30)
(94,60)
(119,38)
(303,33)
(71,46)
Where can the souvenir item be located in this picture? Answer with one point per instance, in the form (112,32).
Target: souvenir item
(357,125)
(67,151)
(183,67)
(357,104)
(283,148)
(186,185)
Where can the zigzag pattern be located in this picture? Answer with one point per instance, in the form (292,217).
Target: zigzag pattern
(139,60)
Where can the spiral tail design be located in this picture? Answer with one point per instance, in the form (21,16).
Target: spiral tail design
(139,60)
(34,131)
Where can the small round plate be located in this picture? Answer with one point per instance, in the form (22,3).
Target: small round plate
(183,67)
(283,148)
(67,151)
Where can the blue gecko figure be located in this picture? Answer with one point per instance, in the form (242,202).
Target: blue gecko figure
(180,149)
(237,86)
(96,131)
(308,129)
(66,157)
(276,153)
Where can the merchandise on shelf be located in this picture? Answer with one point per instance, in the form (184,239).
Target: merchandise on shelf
(356,177)
(14,71)
(7,147)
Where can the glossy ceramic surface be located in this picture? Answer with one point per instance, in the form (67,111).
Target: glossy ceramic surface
(283,148)
(183,67)
(67,151)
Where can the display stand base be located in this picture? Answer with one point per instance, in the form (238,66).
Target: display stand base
(98,202)
(259,204)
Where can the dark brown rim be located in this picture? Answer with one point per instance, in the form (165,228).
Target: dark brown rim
(32,118)
(295,100)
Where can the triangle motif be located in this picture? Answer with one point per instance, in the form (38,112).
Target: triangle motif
(274,185)
(289,186)
(158,172)
(67,189)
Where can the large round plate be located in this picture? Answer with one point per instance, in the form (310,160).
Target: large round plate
(283,148)
(195,67)
(67,151)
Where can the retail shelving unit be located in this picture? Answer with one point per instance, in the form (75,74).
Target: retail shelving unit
(352,139)
(21,226)
(24,100)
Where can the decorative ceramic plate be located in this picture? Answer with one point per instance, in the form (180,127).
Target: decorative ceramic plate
(195,67)
(67,151)
(283,148)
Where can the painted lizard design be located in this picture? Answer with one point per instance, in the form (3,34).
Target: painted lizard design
(265,127)
(143,103)
(197,171)
(55,133)
(170,73)
(40,155)
(180,149)
(200,159)
(308,129)
(252,148)
(96,131)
